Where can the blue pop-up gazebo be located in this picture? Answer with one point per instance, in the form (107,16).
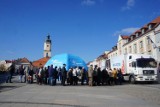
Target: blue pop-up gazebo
(68,59)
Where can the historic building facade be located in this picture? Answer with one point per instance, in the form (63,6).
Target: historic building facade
(145,40)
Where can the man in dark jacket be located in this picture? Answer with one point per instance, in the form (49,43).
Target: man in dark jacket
(21,73)
(10,73)
(64,74)
(98,76)
(50,74)
(55,75)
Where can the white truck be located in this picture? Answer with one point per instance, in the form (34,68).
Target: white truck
(135,67)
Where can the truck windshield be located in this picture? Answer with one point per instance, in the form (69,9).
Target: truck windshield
(146,62)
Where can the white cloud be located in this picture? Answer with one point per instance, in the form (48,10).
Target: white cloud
(88,2)
(129,5)
(126,31)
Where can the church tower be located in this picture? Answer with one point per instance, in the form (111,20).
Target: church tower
(47,47)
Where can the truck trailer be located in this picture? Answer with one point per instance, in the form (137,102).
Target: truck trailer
(135,67)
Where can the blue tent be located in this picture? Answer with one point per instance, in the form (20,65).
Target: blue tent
(68,59)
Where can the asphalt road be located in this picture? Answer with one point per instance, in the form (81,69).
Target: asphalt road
(2,78)
(33,95)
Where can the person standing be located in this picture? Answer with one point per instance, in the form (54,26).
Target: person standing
(26,74)
(21,73)
(59,74)
(45,75)
(10,73)
(158,73)
(75,76)
(86,77)
(120,76)
(40,75)
(98,76)
(95,75)
(50,71)
(114,73)
(30,75)
(110,78)
(55,75)
(64,74)
(90,75)
(104,76)
(83,72)
(70,75)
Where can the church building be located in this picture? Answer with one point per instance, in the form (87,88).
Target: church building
(46,54)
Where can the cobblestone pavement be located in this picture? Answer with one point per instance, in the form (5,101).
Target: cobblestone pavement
(33,95)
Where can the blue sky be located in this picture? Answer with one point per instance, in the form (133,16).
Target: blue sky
(82,27)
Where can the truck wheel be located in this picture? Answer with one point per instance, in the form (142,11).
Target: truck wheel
(132,80)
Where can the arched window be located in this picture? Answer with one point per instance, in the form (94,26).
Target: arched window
(46,54)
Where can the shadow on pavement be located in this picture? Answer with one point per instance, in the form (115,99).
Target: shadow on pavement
(65,105)
(6,88)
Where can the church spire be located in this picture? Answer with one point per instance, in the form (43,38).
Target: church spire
(47,47)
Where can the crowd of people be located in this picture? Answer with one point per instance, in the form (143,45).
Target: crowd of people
(74,76)
(94,76)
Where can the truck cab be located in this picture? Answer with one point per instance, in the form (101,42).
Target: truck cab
(142,69)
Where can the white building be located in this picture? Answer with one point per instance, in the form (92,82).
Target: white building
(146,40)
(100,61)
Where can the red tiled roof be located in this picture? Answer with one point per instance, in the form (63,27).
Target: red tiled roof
(144,27)
(138,31)
(41,62)
(157,20)
(124,37)
(24,60)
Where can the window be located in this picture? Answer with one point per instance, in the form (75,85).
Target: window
(130,49)
(141,44)
(148,41)
(130,57)
(47,45)
(150,26)
(136,34)
(133,64)
(46,54)
(135,48)
(142,31)
(150,52)
(125,50)
(119,45)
